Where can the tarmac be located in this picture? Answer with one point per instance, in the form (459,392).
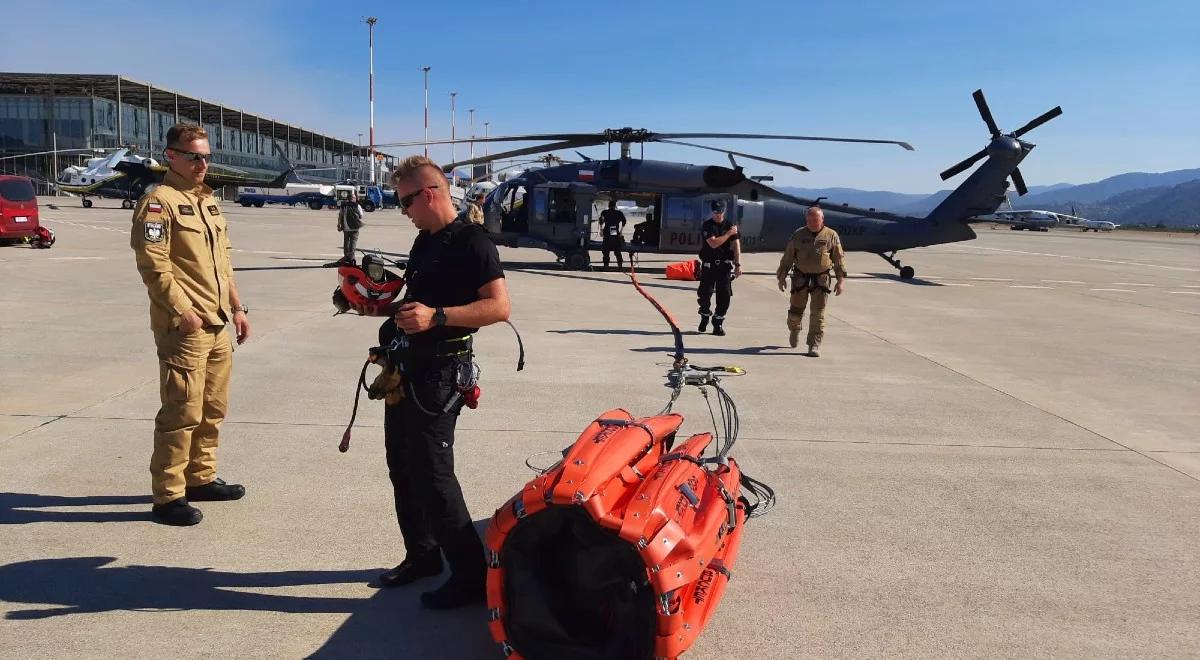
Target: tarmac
(1000,458)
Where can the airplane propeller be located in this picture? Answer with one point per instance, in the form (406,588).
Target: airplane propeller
(563,141)
(986,114)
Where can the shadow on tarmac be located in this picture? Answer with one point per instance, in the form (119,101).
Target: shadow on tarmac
(601,331)
(22,508)
(389,624)
(916,281)
(749,350)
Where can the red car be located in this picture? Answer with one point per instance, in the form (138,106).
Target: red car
(18,208)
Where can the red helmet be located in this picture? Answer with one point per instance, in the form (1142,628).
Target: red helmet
(368,289)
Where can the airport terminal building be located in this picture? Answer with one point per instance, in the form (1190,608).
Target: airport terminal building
(49,121)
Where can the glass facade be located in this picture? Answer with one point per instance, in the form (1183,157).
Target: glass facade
(27,123)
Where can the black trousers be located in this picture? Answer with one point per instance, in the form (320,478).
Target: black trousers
(349,242)
(420,460)
(612,244)
(716,277)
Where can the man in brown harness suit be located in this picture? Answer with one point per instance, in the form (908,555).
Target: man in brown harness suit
(809,256)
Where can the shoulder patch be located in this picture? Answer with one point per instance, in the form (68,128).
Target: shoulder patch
(154,207)
(186,209)
(155,232)
(214,209)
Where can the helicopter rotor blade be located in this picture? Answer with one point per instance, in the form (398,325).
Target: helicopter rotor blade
(596,138)
(1019,182)
(538,149)
(660,137)
(731,154)
(1041,119)
(970,160)
(985,112)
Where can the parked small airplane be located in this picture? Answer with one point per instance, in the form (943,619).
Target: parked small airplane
(1085,224)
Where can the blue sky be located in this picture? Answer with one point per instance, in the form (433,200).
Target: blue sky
(1127,77)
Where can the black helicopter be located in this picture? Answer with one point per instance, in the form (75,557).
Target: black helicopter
(552,208)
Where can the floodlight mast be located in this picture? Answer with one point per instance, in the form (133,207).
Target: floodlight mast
(371,21)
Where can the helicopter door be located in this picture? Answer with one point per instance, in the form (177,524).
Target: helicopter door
(555,214)
(682,217)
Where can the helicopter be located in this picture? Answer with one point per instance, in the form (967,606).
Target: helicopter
(552,207)
(125,176)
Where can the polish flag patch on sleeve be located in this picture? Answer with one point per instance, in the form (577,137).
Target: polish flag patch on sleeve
(153,207)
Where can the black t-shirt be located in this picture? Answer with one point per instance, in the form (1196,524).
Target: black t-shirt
(611,222)
(709,230)
(446,269)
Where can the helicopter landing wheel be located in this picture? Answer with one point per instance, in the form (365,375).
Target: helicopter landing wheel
(907,273)
(577,260)
(126,204)
(87,203)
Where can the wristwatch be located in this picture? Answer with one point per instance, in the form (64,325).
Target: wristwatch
(439,316)
(242,308)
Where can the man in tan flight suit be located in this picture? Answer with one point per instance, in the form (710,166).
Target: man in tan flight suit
(810,254)
(182,247)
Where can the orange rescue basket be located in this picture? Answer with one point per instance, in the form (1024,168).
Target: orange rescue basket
(620,550)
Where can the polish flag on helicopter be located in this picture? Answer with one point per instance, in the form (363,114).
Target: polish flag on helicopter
(587,175)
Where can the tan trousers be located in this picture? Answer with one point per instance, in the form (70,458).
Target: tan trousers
(194,373)
(816,317)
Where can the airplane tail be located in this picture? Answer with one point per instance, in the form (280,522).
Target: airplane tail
(986,189)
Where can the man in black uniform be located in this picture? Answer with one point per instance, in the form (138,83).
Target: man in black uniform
(612,222)
(720,262)
(455,285)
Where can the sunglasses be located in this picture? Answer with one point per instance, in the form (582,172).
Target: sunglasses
(407,200)
(192,155)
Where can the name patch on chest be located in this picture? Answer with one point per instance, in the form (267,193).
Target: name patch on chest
(186,209)
(214,210)
(154,232)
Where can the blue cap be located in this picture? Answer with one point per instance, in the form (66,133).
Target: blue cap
(718,205)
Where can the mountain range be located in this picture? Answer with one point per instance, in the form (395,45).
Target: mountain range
(1169,199)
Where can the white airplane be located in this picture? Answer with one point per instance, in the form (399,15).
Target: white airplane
(1085,224)
(1032,220)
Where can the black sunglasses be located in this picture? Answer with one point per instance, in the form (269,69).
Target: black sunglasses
(407,200)
(192,155)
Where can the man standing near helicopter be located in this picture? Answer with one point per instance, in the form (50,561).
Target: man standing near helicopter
(455,286)
(813,251)
(720,263)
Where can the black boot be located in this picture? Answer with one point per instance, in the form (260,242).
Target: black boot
(412,569)
(703,323)
(719,327)
(457,592)
(176,512)
(216,491)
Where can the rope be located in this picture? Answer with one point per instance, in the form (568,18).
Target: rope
(362,385)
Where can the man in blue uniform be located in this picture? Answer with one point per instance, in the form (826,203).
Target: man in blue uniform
(455,285)
(720,263)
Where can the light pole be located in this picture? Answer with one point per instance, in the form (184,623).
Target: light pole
(488,165)
(472,154)
(371,20)
(453,157)
(426,70)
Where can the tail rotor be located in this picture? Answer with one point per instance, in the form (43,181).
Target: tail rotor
(1001,143)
